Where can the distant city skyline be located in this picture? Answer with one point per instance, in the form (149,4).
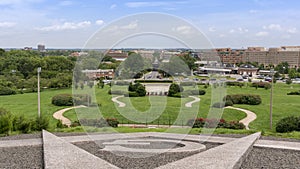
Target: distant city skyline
(70,23)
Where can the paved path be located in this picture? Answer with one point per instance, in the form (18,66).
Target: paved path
(115,99)
(247,120)
(59,115)
(189,104)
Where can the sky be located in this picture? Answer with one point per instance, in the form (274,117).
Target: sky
(225,23)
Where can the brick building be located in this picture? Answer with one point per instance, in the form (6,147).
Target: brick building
(94,74)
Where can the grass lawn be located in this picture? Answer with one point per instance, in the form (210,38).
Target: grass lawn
(283,105)
(27,104)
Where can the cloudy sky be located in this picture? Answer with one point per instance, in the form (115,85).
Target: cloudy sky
(226,23)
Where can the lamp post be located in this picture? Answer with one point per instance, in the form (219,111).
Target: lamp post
(39,69)
(271,98)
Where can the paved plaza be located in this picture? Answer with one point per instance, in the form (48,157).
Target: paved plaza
(144,150)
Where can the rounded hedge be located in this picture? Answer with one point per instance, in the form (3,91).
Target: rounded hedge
(288,124)
(62,100)
(244,99)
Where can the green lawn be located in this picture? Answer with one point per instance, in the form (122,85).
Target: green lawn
(283,106)
(27,104)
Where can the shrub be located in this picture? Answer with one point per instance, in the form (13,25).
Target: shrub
(174,88)
(6,125)
(228,103)
(7,91)
(41,123)
(136,90)
(60,125)
(75,124)
(265,85)
(288,124)
(244,99)
(117,92)
(235,125)
(212,123)
(141,90)
(234,84)
(82,99)
(294,93)
(99,122)
(196,123)
(22,124)
(218,105)
(289,81)
(62,100)
(178,95)
(194,92)
(112,122)
(70,100)
(133,94)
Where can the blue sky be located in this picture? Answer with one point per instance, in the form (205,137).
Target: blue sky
(226,23)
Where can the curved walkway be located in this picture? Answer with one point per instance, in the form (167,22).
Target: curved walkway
(59,115)
(247,120)
(115,99)
(189,104)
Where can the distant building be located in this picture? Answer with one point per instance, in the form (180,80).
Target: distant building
(274,56)
(27,48)
(230,56)
(94,74)
(41,48)
(148,54)
(118,55)
(247,69)
(77,54)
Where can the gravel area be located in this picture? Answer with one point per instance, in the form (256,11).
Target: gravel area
(272,158)
(22,136)
(21,157)
(125,162)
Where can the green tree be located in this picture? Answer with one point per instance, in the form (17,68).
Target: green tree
(292,73)
(174,89)
(134,64)
(282,68)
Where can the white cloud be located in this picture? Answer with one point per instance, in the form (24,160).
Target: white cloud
(212,29)
(222,35)
(99,22)
(65,3)
(183,29)
(144,4)
(7,24)
(140,4)
(131,25)
(273,27)
(66,26)
(253,11)
(239,30)
(261,34)
(292,30)
(18,2)
(113,6)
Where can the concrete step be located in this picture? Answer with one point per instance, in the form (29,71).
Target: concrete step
(60,154)
(226,156)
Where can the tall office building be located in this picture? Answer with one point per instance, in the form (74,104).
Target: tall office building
(41,48)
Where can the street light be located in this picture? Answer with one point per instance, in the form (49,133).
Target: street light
(39,69)
(271,98)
